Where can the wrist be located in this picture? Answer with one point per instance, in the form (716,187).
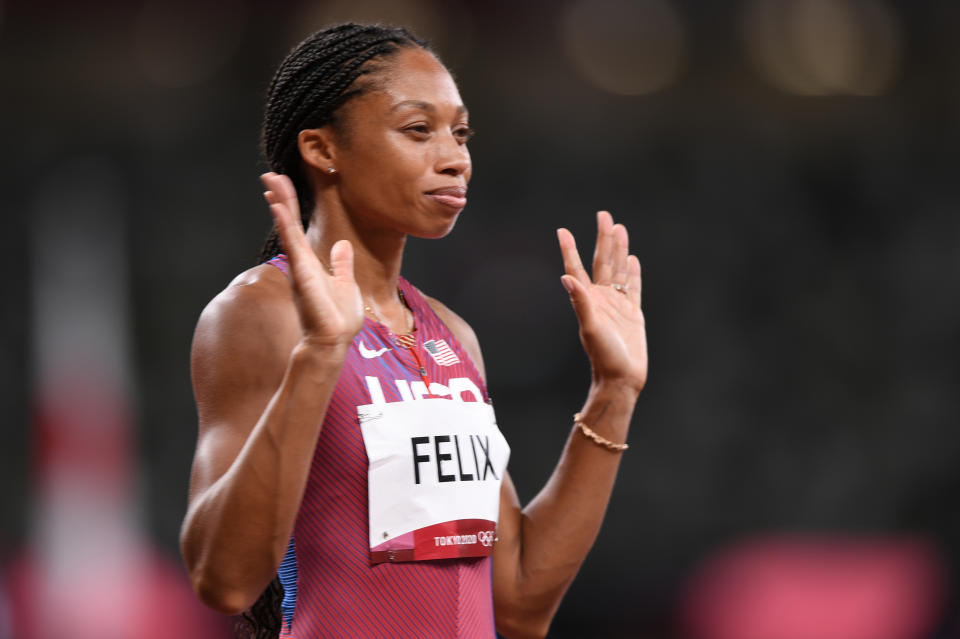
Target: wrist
(615,387)
(607,397)
(608,411)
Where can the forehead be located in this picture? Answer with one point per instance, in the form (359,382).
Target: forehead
(415,75)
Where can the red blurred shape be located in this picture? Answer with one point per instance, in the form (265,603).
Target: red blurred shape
(817,587)
(162,602)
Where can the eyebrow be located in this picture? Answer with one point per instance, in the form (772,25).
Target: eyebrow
(424,106)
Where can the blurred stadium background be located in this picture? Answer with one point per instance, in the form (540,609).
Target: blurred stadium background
(788,171)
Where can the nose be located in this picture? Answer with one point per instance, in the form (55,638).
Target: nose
(453,158)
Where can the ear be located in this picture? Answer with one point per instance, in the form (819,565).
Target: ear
(317,148)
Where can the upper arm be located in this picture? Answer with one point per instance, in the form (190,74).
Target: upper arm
(239,354)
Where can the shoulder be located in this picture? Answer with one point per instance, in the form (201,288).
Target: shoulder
(259,297)
(253,319)
(460,329)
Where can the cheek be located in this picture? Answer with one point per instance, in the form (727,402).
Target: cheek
(387,188)
(406,175)
(387,177)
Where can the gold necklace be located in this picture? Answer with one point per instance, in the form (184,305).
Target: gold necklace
(404,340)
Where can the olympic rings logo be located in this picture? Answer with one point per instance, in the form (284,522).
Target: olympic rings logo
(486,537)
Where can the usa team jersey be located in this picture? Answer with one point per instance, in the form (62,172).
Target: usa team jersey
(332,590)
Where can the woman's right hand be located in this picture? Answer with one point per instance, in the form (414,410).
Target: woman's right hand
(329,304)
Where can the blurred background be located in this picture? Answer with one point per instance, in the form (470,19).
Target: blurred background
(787,169)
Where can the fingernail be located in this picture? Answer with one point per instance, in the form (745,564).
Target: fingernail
(567,284)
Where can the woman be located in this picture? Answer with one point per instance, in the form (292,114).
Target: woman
(333,396)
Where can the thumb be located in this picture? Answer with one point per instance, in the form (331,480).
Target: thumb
(579,298)
(341,261)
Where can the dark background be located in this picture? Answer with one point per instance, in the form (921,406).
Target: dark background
(793,209)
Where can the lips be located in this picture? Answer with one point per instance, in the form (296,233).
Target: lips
(455,191)
(452,196)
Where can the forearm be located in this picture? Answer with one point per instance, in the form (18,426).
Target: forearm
(238,528)
(560,525)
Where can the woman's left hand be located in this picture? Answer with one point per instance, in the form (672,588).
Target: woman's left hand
(612,327)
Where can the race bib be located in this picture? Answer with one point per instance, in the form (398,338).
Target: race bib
(434,478)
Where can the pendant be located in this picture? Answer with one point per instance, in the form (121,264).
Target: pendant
(407,340)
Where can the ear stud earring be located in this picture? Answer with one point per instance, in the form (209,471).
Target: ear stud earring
(331,170)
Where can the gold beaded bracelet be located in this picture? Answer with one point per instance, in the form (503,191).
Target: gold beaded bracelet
(599,440)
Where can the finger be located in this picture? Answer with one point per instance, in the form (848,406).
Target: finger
(579,298)
(634,281)
(282,190)
(267,180)
(271,197)
(571,257)
(268,195)
(621,242)
(341,261)
(602,265)
(292,237)
(281,197)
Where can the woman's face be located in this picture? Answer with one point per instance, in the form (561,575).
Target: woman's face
(402,154)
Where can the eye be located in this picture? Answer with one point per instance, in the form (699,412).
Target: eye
(419,131)
(463,134)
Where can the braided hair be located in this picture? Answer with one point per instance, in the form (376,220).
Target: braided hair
(315,79)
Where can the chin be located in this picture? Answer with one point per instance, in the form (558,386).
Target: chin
(438,231)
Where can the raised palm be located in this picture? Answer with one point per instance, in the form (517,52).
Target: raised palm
(329,302)
(612,326)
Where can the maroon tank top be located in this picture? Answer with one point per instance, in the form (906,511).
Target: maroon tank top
(331,588)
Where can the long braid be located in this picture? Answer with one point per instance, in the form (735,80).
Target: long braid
(315,79)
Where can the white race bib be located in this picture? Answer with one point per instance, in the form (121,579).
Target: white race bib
(434,478)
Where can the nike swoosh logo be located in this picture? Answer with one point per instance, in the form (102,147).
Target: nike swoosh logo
(369,353)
